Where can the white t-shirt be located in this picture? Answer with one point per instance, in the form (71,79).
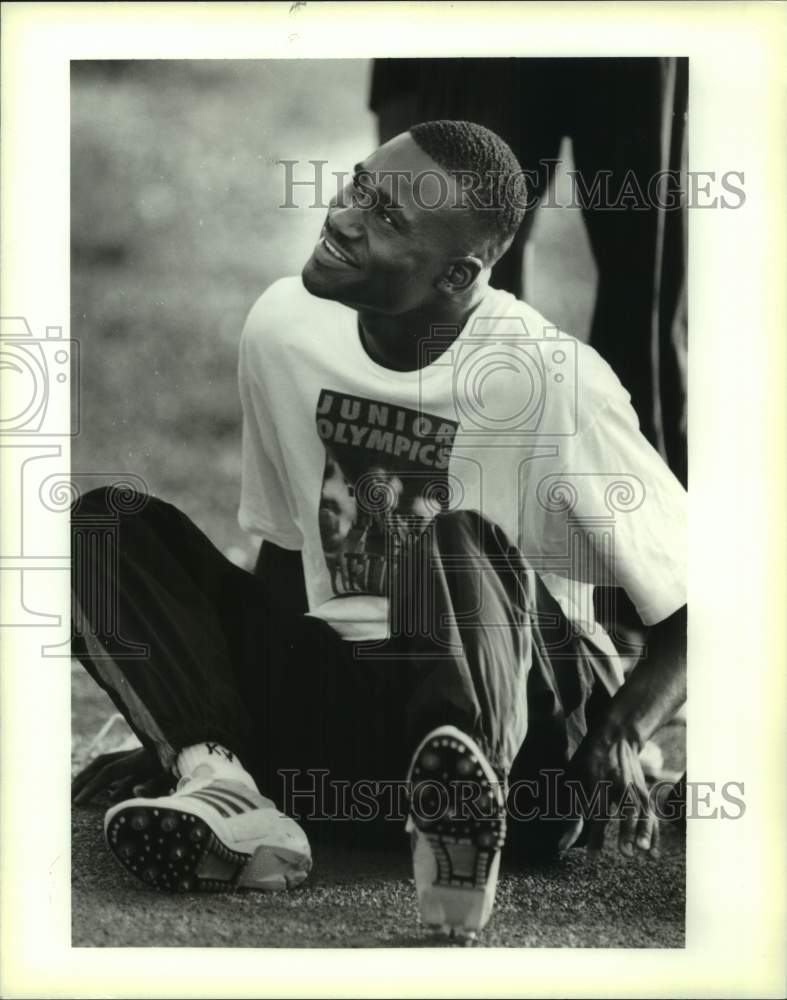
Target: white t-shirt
(515,419)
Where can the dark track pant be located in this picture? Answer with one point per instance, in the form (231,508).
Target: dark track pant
(191,648)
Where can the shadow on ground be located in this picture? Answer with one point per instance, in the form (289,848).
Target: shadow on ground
(366,899)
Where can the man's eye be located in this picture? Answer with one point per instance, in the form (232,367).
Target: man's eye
(364,198)
(367,198)
(384,215)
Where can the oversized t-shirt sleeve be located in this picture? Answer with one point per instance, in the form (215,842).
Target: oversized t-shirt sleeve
(265,506)
(618,514)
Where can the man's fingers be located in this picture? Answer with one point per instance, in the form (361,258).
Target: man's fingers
(638,823)
(655,840)
(627,832)
(570,835)
(627,819)
(645,831)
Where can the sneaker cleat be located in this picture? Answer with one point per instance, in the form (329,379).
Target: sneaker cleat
(457,828)
(211,835)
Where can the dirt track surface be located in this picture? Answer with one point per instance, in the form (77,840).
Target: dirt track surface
(366,899)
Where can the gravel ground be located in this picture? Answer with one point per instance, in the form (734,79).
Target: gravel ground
(365,898)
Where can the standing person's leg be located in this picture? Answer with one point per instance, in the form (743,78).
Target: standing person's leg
(673,288)
(524,102)
(529,111)
(393,95)
(616,138)
(629,123)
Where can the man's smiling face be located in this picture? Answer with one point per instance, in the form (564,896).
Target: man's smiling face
(385,250)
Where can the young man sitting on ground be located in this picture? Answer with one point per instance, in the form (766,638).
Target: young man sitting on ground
(439,479)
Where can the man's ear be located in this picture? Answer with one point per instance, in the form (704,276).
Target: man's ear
(459,275)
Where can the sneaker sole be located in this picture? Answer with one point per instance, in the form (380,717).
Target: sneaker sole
(174,851)
(465,848)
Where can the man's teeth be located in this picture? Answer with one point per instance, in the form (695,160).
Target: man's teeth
(332,249)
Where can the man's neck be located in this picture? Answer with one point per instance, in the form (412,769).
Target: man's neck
(409,341)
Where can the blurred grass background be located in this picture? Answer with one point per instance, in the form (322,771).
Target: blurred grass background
(177,229)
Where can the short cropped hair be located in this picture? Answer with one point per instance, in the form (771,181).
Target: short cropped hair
(488,171)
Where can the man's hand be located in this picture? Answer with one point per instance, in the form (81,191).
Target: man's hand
(609,754)
(123,774)
(615,768)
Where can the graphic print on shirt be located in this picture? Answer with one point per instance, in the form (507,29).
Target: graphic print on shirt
(385,478)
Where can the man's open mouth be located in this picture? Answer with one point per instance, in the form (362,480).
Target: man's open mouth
(330,247)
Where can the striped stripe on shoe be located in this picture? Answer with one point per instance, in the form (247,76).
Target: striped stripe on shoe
(211,835)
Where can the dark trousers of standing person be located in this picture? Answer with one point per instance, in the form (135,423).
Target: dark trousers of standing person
(192,648)
(625,117)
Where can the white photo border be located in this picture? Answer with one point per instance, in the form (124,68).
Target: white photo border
(735,929)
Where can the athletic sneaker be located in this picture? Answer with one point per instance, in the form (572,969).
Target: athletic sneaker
(211,835)
(457,826)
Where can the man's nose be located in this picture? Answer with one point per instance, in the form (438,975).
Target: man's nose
(345,216)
